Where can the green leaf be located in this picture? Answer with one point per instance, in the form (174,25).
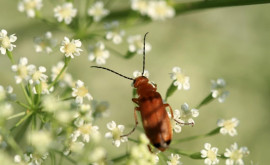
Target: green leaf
(196,155)
(213,132)
(129,54)
(170,91)
(205,101)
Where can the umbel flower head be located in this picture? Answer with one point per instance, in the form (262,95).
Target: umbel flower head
(97,11)
(80,91)
(115,37)
(228,126)
(30,7)
(218,90)
(210,154)
(235,155)
(99,53)
(136,44)
(65,12)
(116,131)
(44,43)
(180,79)
(71,48)
(6,41)
(23,70)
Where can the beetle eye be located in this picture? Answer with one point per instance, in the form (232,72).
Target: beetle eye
(157,145)
(168,142)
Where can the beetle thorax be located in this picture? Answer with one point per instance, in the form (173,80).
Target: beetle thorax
(143,86)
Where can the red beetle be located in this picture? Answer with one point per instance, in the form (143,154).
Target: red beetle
(156,122)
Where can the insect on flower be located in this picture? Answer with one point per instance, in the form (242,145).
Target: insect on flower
(156,121)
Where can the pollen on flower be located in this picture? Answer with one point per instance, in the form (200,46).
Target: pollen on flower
(65,12)
(97,11)
(210,154)
(218,90)
(174,159)
(180,79)
(30,7)
(136,44)
(71,48)
(99,53)
(228,126)
(44,43)
(235,155)
(80,91)
(116,131)
(6,41)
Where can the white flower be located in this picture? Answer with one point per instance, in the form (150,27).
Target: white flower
(174,159)
(23,70)
(65,12)
(6,110)
(44,43)
(80,91)
(140,154)
(116,131)
(137,73)
(41,140)
(98,155)
(84,114)
(140,5)
(136,44)
(185,116)
(210,154)
(116,37)
(180,79)
(159,10)
(31,159)
(176,127)
(6,42)
(99,54)
(44,88)
(71,48)
(235,155)
(38,75)
(97,11)
(228,126)
(86,131)
(30,7)
(218,90)
(65,78)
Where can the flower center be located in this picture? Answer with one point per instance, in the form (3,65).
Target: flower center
(85,129)
(65,12)
(116,133)
(98,53)
(37,75)
(236,155)
(180,78)
(30,5)
(22,71)
(229,125)
(5,42)
(70,48)
(82,91)
(161,10)
(211,155)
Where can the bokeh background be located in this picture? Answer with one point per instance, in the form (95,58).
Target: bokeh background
(231,43)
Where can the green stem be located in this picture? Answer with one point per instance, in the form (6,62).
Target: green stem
(185,7)
(119,158)
(67,61)
(206,100)
(23,119)
(16,115)
(23,105)
(10,56)
(68,158)
(211,133)
(26,95)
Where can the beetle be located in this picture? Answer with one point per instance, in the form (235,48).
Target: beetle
(155,119)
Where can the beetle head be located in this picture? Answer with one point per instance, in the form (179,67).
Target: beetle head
(139,81)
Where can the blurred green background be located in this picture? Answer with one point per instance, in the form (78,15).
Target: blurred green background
(231,43)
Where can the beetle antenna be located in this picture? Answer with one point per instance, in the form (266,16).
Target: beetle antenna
(112,71)
(144,52)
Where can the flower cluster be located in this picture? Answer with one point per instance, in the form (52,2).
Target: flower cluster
(156,10)
(45,43)
(6,41)
(180,79)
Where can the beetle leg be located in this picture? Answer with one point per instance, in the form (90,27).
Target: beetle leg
(136,101)
(168,105)
(136,122)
